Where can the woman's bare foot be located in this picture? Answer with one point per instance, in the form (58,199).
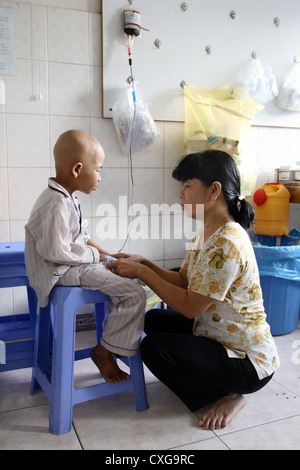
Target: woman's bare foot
(107,366)
(222,412)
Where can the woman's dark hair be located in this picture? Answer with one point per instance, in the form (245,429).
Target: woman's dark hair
(215,165)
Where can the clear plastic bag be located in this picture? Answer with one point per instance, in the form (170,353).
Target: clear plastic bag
(219,119)
(133,122)
(289,93)
(258,80)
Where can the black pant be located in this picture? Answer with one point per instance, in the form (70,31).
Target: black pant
(197,369)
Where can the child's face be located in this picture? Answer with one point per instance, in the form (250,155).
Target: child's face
(89,176)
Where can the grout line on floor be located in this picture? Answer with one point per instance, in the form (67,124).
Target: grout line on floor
(291,391)
(77,436)
(257,425)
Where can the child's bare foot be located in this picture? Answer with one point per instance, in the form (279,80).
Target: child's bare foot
(107,366)
(222,412)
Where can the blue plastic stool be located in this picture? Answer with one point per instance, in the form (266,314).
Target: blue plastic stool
(19,354)
(55,354)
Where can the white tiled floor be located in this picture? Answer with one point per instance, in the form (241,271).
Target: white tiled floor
(270,420)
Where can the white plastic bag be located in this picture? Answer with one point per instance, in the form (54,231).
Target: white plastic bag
(133,122)
(258,80)
(289,93)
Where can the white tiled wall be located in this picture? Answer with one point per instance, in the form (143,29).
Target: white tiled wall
(58,87)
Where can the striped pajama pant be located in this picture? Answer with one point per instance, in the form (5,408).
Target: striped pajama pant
(124,315)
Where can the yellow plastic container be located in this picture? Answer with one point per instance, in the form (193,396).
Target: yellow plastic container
(272,210)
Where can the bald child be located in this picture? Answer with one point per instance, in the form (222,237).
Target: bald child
(59,251)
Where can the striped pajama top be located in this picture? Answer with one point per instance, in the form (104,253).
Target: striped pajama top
(55,239)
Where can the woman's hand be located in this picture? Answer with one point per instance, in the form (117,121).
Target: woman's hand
(120,255)
(137,258)
(126,267)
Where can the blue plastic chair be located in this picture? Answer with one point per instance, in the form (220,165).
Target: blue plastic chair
(21,327)
(55,354)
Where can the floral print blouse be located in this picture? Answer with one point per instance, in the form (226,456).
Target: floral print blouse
(225,269)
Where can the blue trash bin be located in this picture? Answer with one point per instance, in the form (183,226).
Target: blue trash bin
(279,270)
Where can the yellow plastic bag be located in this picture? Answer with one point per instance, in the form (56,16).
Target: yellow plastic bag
(219,119)
(151,298)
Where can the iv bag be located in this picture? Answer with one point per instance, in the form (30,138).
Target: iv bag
(133,122)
